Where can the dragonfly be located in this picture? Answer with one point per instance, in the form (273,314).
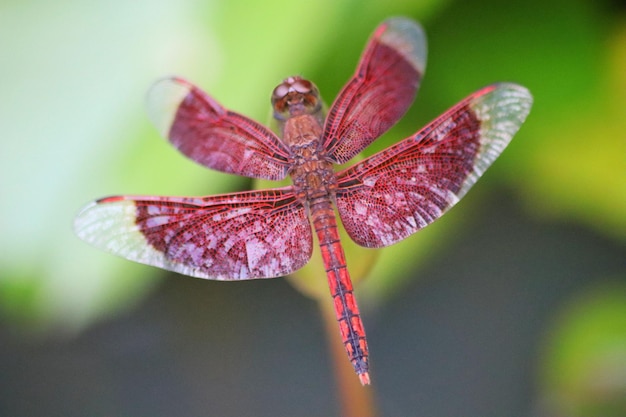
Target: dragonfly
(268,233)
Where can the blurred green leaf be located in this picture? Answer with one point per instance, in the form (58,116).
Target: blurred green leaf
(579,168)
(584,366)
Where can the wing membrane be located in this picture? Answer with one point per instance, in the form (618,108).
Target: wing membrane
(381,90)
(392,194)
(256,234)
(213,136)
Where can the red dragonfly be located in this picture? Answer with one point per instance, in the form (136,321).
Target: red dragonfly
(267,233)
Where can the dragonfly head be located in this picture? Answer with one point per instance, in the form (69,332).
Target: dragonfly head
(295,96)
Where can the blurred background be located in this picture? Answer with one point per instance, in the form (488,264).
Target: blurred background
(513,304)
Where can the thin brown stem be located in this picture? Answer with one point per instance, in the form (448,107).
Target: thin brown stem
(355,400)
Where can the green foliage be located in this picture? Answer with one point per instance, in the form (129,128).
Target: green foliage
(585,355)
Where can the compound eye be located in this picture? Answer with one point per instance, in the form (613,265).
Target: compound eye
(302,86)
(280,91)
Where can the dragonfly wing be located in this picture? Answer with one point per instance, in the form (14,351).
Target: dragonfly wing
(256,234)
(213,136)
(396,192)
(381,90)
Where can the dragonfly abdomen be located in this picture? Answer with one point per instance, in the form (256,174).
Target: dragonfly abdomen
(340,284)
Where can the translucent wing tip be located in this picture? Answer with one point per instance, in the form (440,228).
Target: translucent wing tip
(514,97)
(501,109)
(97,223)
(504,108)
(110,224)
(163,100)
(408,37)
(86,221)
(82,221)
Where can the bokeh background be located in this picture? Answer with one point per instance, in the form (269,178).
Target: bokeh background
(513,304)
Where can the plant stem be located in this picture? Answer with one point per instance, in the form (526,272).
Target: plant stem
(355,400)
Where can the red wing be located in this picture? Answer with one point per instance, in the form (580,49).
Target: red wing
(255,234)
(393,194)
(213,136)
(381,90)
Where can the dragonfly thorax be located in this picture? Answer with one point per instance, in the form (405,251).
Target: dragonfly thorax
(313,178)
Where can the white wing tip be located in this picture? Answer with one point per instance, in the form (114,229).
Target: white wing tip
(164,99)
(408,37)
